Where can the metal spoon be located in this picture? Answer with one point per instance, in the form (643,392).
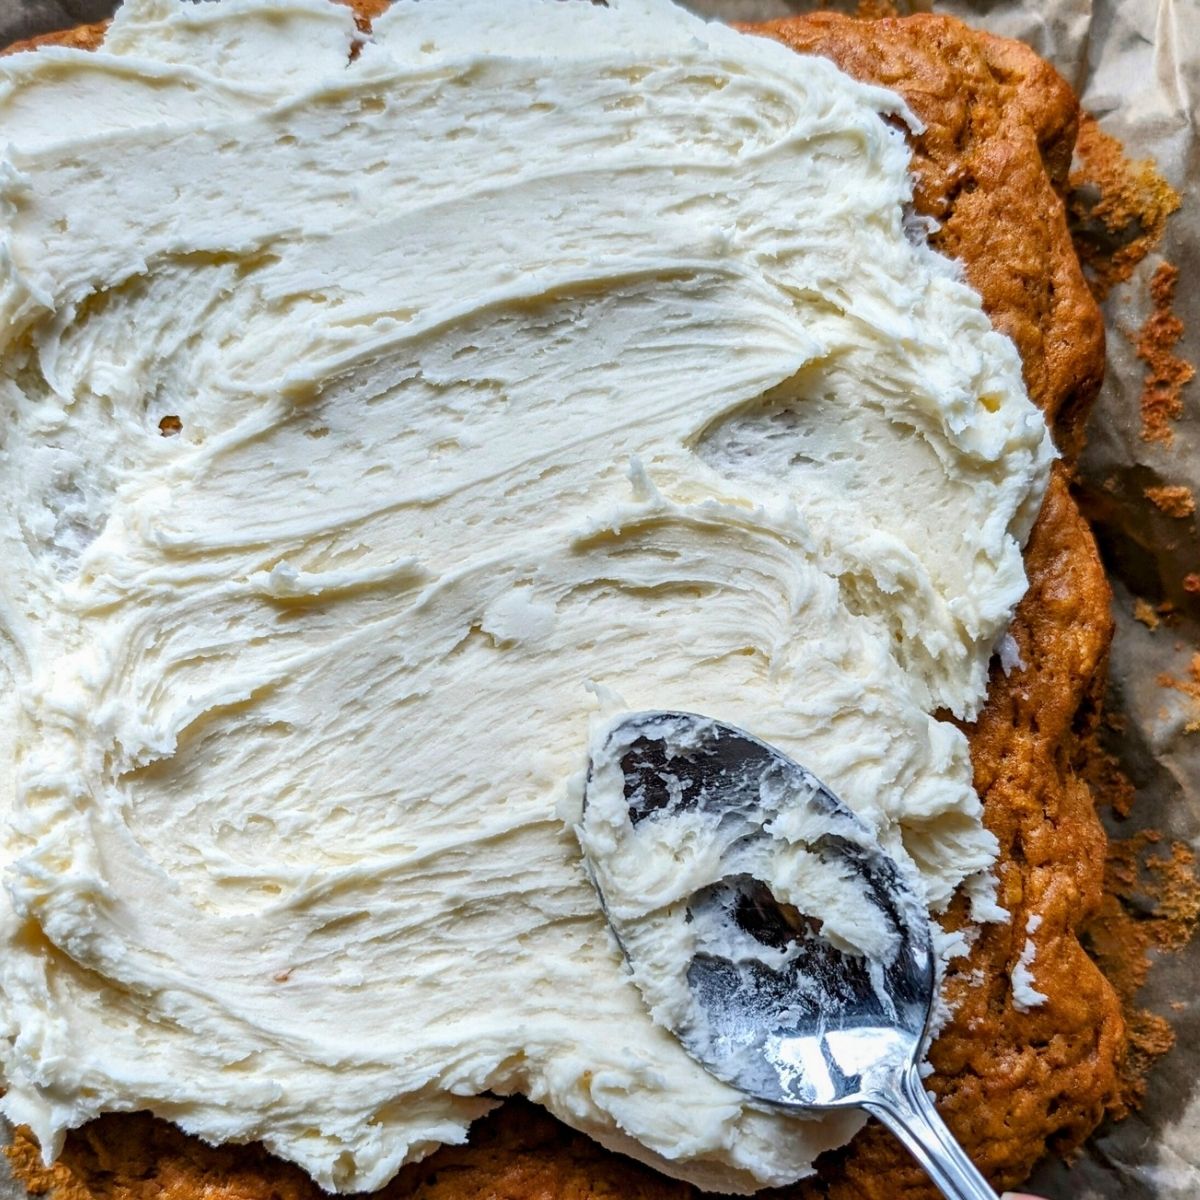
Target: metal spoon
(825,1029)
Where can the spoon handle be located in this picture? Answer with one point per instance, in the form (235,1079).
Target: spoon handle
(909,1114)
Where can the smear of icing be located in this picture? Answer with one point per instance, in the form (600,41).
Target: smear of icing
(1025,995)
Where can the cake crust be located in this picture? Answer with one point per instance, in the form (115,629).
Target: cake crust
(989,166)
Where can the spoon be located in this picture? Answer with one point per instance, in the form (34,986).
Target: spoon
(771,1005)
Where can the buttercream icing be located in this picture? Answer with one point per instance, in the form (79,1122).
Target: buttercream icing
(524,362)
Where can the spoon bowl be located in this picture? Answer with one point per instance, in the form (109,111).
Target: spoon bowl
(776,1005)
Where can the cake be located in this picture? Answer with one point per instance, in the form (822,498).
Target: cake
(1028,1057)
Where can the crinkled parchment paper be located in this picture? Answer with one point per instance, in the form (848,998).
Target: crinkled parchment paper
(1136,64)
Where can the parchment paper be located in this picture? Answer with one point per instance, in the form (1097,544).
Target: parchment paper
(1136,64)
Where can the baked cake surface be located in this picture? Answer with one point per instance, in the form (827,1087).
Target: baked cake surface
(1011,1080)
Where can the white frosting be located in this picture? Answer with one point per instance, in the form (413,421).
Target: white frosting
(537,353)
(1025,996)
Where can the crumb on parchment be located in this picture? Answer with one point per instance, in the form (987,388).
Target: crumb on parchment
(1176,500)
(1118,207)
(1189,687)
(1166,372)
(874,10)
(1151,905)
(1144,612)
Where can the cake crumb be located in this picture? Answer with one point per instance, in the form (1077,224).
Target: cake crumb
(1151,905)
(874,10)
(1110,786)
(1189,687)
(1118,207)
(1175,500)
(1166,372)
(1191,583)
(1145,613)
